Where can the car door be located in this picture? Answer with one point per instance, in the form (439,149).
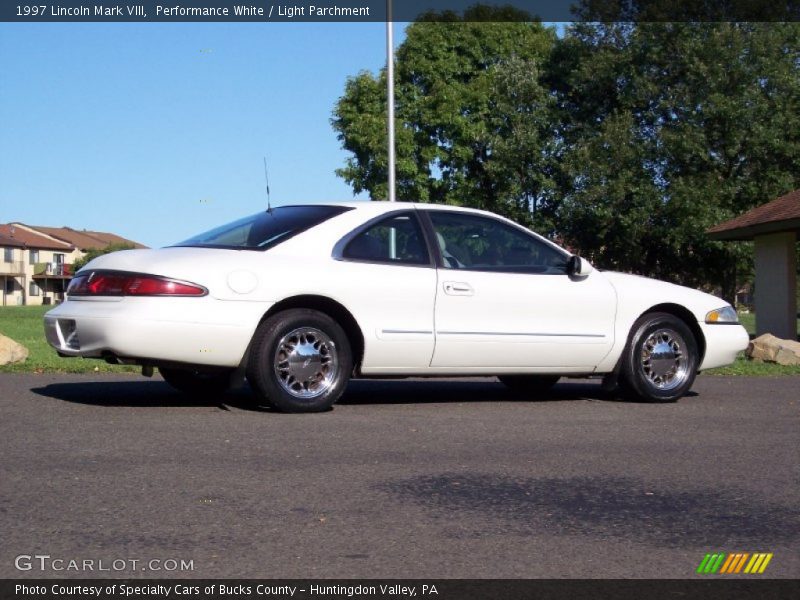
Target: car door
(504,300)
(387,272)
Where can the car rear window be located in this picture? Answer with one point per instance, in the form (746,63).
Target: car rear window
(264,230)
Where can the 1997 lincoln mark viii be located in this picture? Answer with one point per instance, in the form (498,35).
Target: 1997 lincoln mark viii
(299,298)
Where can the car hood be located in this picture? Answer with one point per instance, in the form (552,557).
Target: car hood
(644,290)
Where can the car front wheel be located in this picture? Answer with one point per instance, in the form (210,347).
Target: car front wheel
(300,361)
(661,360)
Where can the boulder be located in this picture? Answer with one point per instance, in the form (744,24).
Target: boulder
(768,348)
(11,351)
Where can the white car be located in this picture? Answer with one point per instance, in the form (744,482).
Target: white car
(298,299)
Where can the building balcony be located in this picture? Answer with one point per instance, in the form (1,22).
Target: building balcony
(16,267)
(50,270)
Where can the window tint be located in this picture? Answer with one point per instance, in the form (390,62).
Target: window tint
(266,229)
(483,244)
(396,239)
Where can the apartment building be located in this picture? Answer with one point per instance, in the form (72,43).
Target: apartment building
(36,264)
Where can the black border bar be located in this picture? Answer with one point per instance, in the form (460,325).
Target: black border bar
(716,588)
(288,11)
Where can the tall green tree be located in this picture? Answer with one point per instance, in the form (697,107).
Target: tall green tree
(526,144)
(669,129)
(452,125)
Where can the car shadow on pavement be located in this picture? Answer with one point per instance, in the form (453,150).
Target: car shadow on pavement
(142,394)
(429,391)
(157,393)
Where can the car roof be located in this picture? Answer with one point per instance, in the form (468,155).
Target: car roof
(331,231)
(381,206)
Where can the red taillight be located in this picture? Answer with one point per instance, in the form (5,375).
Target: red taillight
(99,283)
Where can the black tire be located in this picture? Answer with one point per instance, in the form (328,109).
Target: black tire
(529,384)
(277,372)
(661,359)
(195,382)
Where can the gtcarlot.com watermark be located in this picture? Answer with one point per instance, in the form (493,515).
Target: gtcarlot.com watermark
(45,562)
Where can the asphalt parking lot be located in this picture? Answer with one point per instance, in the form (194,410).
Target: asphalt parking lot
(406,479)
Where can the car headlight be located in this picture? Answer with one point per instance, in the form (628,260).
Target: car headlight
(724,315)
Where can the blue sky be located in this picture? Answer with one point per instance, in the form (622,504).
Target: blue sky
(157,131)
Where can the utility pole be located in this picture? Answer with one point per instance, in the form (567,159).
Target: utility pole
(390,94)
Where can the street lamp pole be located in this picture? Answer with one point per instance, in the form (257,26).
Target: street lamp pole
(390,95)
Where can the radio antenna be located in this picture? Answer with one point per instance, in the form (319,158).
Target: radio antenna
(266,178)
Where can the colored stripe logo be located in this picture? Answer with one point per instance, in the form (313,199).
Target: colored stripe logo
(733,563)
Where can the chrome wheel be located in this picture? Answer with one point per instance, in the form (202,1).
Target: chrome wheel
(664,360)
(306,363)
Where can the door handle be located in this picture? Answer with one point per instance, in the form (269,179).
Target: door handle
(458,288)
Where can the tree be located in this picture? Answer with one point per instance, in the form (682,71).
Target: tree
(671,128)
(526,145)
(452,127)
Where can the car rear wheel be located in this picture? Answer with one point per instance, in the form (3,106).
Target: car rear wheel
(530,384)
(661,360)
(300,361)
(196,383)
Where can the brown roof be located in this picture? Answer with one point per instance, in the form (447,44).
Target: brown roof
(113,238)
(779,215)
(23,238)
(7,241)
(85,240)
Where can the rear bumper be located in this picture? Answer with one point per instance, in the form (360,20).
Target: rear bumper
(203,331)
(723,343)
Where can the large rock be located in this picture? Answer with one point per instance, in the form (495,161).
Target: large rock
(11,351)
(768,348)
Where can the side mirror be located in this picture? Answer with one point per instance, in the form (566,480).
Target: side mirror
(578,267)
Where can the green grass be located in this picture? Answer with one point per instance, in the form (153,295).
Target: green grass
(749,368)
(24,324)
(748,320)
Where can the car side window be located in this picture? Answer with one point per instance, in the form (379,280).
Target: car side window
(396,239)
(481,244)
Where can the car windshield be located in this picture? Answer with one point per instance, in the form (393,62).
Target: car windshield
(264,230)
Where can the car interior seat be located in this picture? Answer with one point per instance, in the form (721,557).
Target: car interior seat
(449,257)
